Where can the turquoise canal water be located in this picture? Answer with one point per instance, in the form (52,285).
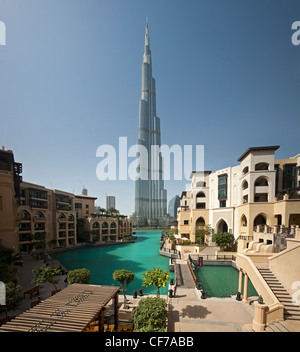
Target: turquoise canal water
(137,257)
(221,281)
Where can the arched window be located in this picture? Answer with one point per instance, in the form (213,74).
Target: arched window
(244,220)
(25,215)
(96,225)
(39,215)
(200,195)
(113,225)
(244,185)
(261,181)
(104,225)
(71,217)
(261,166)
(245,170)
(61,216)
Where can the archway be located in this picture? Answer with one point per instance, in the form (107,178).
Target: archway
(222,226)
(200,230)
(260,219)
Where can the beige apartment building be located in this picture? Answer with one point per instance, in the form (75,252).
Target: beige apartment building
(260,191)
(10,180)
(32,215)
(103,229)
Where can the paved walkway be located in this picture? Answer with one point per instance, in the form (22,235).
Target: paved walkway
(24,279)
(189,313)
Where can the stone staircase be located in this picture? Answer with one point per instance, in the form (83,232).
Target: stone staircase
(291,311)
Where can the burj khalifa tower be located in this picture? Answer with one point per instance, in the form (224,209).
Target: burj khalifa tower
(150,195)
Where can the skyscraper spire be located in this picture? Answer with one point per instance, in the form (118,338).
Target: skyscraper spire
(147,39)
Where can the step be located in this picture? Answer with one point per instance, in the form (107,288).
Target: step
(286,301)
(291,317)
(273,328)
(281,326)
(282,294)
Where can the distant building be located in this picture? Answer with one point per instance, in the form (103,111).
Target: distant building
(174,203)
(110,202)
(84,191)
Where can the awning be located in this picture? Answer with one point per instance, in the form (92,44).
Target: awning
(70,310)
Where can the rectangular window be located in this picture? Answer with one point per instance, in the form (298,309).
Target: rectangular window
(222,186)
(289,173)
(222,192)
(200,206)
(222,180)
(222,203)
(185,222)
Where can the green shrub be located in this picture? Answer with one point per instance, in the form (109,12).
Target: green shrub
(79,276)
(150,315)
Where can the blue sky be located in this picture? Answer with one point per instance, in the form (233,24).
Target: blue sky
(226,71)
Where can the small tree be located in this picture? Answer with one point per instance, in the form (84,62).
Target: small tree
(13,298)
(224,239)
(79,276)
(156,277)
(42,275)
(150,315)
(124,277)
(202,232)
(9,260)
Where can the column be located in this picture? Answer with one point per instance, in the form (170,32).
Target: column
(116,311)
(259,321)
(240,281)
(245,296)
(101,321)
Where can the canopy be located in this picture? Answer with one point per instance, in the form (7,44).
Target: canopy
(70,310)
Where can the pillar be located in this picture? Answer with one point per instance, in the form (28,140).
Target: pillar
(245,296)
(116,311)
(101,321)
(259,321)
(240,281)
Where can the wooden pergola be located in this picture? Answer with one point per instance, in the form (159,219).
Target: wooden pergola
(74,309)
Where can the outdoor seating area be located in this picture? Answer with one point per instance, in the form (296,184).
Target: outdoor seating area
(76,308)
(31,291)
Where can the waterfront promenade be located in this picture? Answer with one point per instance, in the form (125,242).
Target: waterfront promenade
(188,312)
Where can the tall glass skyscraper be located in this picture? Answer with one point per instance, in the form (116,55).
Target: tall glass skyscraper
(150,195)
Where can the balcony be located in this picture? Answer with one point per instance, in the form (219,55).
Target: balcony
(62,234)
(38,204)
(39,226)
(38,194)
(24,227)
(261,189)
